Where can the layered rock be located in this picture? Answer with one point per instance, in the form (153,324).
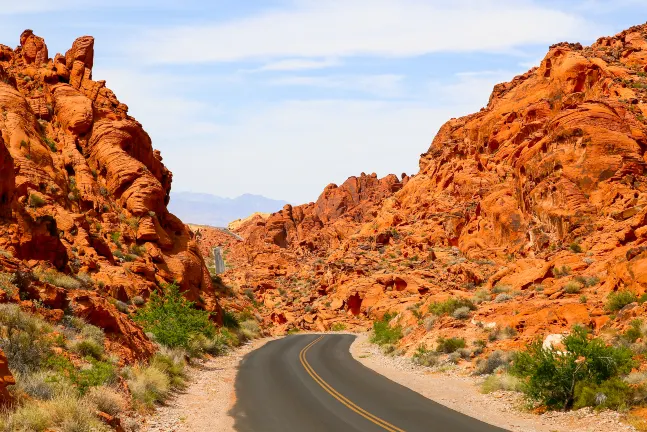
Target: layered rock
(83,191)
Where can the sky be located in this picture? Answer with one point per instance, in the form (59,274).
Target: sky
(282,97)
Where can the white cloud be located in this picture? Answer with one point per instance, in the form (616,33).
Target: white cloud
(292,150)
(385,85)
(340,28)
(299,64)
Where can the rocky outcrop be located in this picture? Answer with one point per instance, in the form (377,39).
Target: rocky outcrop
(6,379)
(545,188)
(82,190)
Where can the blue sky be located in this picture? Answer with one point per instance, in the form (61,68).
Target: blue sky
(282,97)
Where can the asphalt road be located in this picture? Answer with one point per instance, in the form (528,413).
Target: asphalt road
(311,383)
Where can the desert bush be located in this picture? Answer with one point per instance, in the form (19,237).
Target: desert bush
(384,334)
(502,333)
(64,413)
(121,306)
(172,318)
(504,382)
(107,399)
(87,347)
(634,332)
(97,374)
(7,285)
(575,247)
(572,288)
(138,300)
(552,377)
(424,357)
(173,364)
(25,339)
(229,320)
(559,272)
(620,299)
(388,348)
(465,353)
(498,289)
(481,296)
(429,322)
(250,329)
(148,385)
(497,360)
(36,201)
(450,305)
(587,281)
(338,326)
(461,313)
(449,345)
(611,394)
(503,297)
(55,278)
(42,384)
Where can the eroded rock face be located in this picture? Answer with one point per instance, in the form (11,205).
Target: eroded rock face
(544,187)
(6,379)
(83,190)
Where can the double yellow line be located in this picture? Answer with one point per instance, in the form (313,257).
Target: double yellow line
(334,393)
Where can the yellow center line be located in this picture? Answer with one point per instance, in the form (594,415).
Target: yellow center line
(334,393)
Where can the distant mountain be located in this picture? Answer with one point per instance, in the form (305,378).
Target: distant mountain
(206,209)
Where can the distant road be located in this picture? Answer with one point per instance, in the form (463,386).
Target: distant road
(311,383)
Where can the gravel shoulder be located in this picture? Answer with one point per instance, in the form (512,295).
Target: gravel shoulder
(461,393)
(205,403)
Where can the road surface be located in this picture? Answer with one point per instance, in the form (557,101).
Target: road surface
(311,383)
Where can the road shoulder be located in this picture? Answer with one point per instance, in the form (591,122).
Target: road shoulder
(461,393)
(205,404)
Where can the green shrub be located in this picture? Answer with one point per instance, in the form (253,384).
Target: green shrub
(481,296)
(611,394)
(620,299)
(107,400)
(572,288)
(424,357)
(497,360)
(461,313)
(55,278)
(502,333)
(138,300)
(100,373)
(575,247)
(137,250)
(88,348)
(173,364)
(25,339)
(504,382)
(148,385)
(450,305)
(250,329)
(503,297)
(634,332)
(338,326)
(115,237)
(587,281)
(498,289)
(172,318)
(36,201)
(562,271)
(229,320)
(551,377)
(50,143)
(384,334)
(449,345)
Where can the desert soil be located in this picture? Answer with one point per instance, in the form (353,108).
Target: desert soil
(206,402)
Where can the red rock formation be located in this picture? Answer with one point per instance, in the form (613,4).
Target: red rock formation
(543,187)
(83,190)
(6,379)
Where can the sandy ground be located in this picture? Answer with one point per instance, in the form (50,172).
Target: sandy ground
(205,404)
(461,393)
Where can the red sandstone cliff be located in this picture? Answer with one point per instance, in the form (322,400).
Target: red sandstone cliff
(83,191)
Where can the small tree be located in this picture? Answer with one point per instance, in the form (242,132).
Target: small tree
(172,318)
(552,376)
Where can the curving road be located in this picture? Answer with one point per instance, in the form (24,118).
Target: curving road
(311,383)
